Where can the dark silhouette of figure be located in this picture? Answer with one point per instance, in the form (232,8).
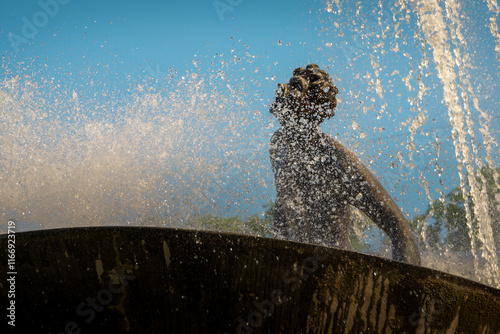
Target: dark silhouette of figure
(317,178)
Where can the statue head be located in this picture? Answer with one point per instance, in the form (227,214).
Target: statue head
(309,96)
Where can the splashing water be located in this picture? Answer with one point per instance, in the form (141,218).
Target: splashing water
(443,31)
(432,23)
(65,166)
(416,103)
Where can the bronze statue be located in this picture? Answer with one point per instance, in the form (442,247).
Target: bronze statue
(317,177)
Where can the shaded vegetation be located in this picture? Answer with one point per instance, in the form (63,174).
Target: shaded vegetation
(259,225)
(444,224)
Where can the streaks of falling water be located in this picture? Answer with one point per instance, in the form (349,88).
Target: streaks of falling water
(493,7)
(440,27)
(432,23)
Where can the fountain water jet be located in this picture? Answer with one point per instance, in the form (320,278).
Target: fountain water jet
(145,154)
(70,159)
(432,24)
(443,31)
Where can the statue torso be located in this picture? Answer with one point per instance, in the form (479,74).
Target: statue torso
(309,182)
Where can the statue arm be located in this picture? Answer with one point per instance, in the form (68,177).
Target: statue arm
(367,194)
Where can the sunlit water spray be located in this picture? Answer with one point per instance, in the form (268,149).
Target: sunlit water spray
(379,32)
(192,145)
(168,154)
(448,63)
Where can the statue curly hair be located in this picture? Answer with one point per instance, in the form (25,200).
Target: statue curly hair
(309,94)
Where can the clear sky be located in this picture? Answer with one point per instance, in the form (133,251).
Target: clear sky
(113,110)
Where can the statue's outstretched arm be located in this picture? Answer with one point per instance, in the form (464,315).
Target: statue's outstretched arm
(368,195)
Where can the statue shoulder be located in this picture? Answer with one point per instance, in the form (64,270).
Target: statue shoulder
(333,143)
(345,156)
(337,145)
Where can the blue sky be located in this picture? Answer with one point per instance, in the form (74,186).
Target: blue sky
(125,36)
(94,62)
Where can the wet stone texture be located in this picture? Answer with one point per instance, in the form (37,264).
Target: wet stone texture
(153,280)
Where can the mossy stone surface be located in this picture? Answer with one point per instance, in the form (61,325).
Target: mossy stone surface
(160,280)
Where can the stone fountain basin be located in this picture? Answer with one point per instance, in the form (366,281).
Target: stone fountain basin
(164,280)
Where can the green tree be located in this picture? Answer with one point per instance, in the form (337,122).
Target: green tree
(444,224)
(254,225)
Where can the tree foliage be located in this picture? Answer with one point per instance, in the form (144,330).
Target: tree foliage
(260,225)
(444,224)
